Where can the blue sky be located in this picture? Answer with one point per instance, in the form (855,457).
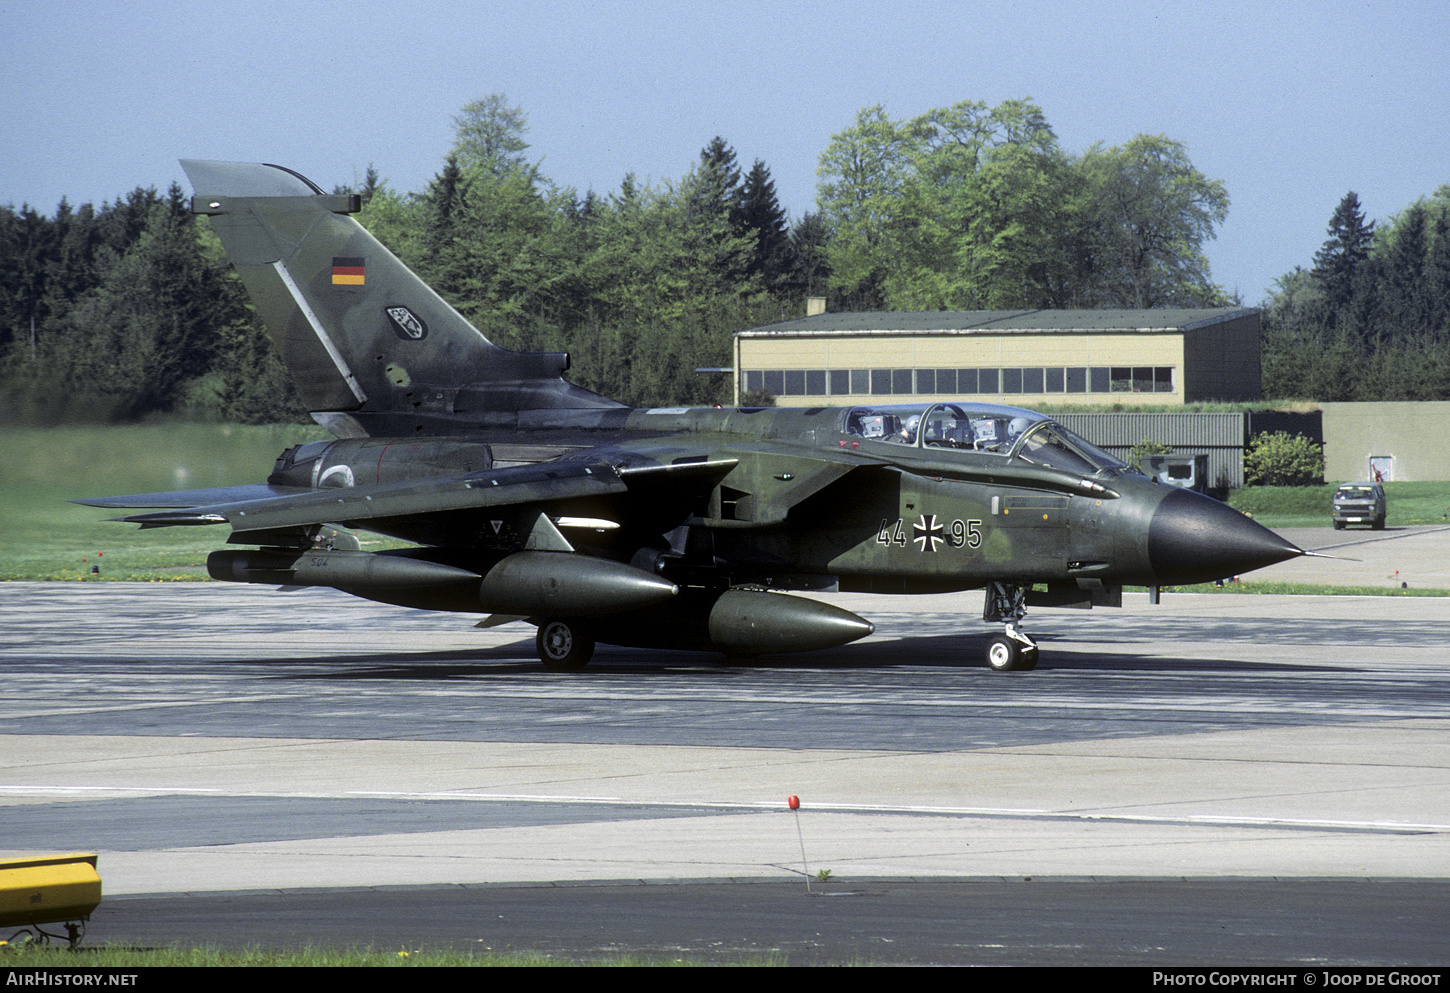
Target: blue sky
(1289,104)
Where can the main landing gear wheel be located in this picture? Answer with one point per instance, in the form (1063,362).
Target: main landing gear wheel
(564,646)
(1006,654)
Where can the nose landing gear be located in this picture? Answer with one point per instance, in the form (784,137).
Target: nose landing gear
(1013,650)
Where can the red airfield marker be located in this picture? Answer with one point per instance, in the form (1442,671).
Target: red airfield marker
(794,802)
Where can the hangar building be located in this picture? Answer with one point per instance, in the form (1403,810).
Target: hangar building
(1025,358)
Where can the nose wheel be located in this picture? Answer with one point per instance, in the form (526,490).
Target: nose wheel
(1006,654)
(1013,650)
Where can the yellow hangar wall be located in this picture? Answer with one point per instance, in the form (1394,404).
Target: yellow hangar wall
(927,351)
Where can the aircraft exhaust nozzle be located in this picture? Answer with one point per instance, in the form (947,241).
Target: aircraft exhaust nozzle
(564,584)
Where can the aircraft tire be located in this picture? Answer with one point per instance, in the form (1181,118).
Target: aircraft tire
(1006,654)
(564,645)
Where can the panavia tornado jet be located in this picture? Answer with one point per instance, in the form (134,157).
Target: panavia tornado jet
(528,498)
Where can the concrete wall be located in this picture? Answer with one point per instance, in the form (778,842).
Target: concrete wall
(1414,436)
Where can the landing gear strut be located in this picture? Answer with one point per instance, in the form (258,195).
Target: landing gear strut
(1013,650)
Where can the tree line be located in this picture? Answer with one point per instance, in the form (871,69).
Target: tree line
(115,313)
(110,315)
(1370,319)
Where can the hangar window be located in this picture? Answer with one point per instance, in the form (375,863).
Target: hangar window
(1141,379)
(1028,380)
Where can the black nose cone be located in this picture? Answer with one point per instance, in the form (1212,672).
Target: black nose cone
(1195,539)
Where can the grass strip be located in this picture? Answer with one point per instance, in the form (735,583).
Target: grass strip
(51,957)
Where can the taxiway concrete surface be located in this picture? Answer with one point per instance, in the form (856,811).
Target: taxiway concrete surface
(1415,557)
(219,738)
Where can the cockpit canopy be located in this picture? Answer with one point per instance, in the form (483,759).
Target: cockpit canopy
(1009,432)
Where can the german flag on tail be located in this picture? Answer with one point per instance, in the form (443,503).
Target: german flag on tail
(348,271)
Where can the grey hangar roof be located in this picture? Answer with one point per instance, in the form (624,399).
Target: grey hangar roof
(953,322)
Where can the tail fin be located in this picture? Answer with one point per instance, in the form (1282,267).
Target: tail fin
(358,330)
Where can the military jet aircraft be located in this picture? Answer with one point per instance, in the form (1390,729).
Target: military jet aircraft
(528,498)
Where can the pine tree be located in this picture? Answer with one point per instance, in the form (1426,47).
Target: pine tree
(810,268)
(29,243)
(444,204)
(1350,240)
(1404,305)
(717,181)
(762,217)
(1437,280)
(713,211)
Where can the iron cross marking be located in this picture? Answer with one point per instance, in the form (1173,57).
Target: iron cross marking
(927,532)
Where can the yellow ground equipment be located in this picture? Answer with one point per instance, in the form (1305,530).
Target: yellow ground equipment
(53,889)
